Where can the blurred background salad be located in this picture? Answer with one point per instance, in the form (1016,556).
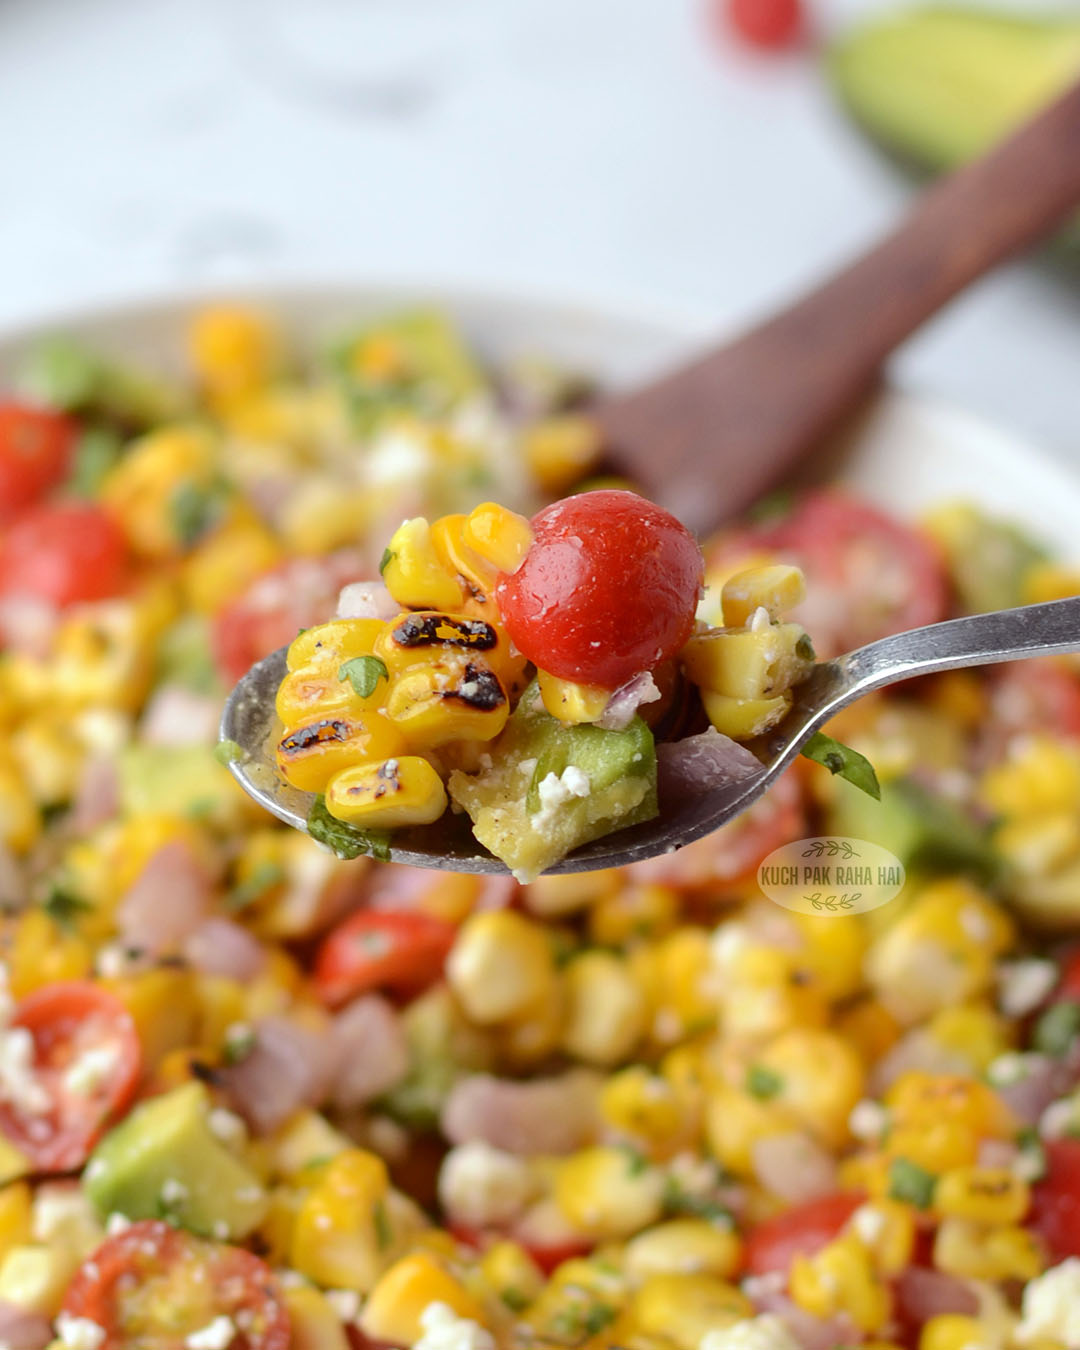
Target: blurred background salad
(636,150)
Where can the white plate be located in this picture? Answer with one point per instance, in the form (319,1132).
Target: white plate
(907,452)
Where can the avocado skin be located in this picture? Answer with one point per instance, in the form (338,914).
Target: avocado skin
(167,1139)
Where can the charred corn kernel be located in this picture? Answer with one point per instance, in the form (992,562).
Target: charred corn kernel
(747,663)
(970,1251)
(832,952)
(146,489)
(328,645)
(886,1228)
(743,718)
(951,1331)
(990,1195)
(975,1031)
(387,794)
(163,1004)
(572,703)
(818,1077)
(500,967)
(735,1121)
(684,1307)
(940,952)
(511,1274)
(606,1011)
(500,537)
(870,1028)
(1039,775)
(643,1106)
(15,1215)
(840,1279)
(234,349)
(606,1193)
(414,573)
(683,1246)
(429,637)
(313,1323)
(339,1239)
(392,1312)
(536,1032)
(300,1147)
(775,589)
(554,896)
(43,953)
(561,451)
(311,753)
(227,561)
(475,574)
(451,699)
(20,819)
(629,913)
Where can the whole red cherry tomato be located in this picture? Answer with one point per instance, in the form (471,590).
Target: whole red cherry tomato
(772,24)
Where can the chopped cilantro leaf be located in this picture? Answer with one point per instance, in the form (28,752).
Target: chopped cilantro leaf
(841,759)
(194,508)
(911,1183)
(345,840)
(64,906)
(364,674)
(96,451)
(1057,1028)
(763,1083)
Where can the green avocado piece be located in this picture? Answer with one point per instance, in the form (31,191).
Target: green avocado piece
(180,780)
(517,807)
(164,1161)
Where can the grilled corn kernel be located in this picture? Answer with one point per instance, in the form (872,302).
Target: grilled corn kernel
(451,699)
(511,1274)
(918,1098)
(339,1238)
(572,703)
(234,349)
(392,1312)
(606,1011)
(840,1279)
(990,1195)
(561,451)
(747,663)
(744,718)
(430,636)
(684,1307)
(818,1077)
(388,794)
(607,1193)
(832,952)
(627,913)
(775,589)
(886,1228)
(644,1107)
(951,1331)
(970,1251)
(227,561)
(500,966)
(326,646)
(163,1004)
(303,1144)
(500,537)
(683,1246)
(146,489)
(313,1323)
(415,574)
(310,754)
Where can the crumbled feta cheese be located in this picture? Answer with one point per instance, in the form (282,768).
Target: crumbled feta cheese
(91,1069)
(576,781)
(220,1229)
(444,1330)
(345,1303)
(226,1126)
(1011,1067)
(117,1223)
(173,1192)
(216,1335)
(1050,1308)
(112,960)
(868,1120)
(1023,985)
(868,1224)
(482,1186)
(555,791)
(79,1333)
(729,944)
(751,1333)
(974,923)
(58,1209)
(19,1083)
(1058,1119)
(759,620)
(397,457)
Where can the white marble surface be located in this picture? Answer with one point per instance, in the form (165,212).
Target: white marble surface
(588,148)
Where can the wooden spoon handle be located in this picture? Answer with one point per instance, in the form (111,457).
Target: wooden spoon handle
(711,437)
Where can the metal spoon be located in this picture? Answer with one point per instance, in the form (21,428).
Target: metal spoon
(982,639)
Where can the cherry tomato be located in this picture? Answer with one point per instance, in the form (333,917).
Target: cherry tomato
(64,552)
(298,594)
(1055,1201)
(607,590)
(73,1025)
(382,949)
(771,24)
(155,1285)
(35,452)
(867,575)
(801,1231)
(547,1255)
(1068,987)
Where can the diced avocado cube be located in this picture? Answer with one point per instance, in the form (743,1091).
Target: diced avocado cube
(164,1161)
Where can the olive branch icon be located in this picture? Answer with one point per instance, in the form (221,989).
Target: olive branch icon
(831,848)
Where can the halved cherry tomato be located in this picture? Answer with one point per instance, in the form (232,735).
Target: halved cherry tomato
(608,588)
(867,574)
(35,452)
(548,1256)
(1055,1201)
(64,552)
(298,594)
(155,1285)
(382,949)
(801,1231)
(86,1064)
(771,24)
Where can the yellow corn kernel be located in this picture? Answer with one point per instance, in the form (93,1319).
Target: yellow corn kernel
(392,1312)
(775,589)
(428,637)
(321,686)
(833,952)
(684,1307)
(306,1141)
(572,703)
(43,953)
(950,1331)
(322,514)
(500,967)
(511,1274)
(627,913)
(15,1216)
(886,1228)
(311,753)
(644,1107)
(560,451)
(683,1246)
(535,1034)
(917,1098)
(340,1239)
(450,699)
(934,1145)
(819,1079)
(143,489)
(606,1012)
(415,574)
(387,794)
(476,576)
(34,1278)
(164,1006)
(49,758)
(227,561)
(1049,581)
(735,1121)
(961,696)
(975,1031)
(840,1279)
(20,820)
(500,537)
(972,1252)
(234,349)
(327,645)
(1040,775)
(763,992)
(313,1323)
(606,1193)
(990,1195)
(747,663)
(744,718)
(870,1028)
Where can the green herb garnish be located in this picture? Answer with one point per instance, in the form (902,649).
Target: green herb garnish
(96,451)
(384,1232)
(264,878)
(194,508)
(364,674)
(387,558)
(228,752)
(1057,1028)
(345,840)
(911,1183)
(840,759)
(763,1083)
(64,906)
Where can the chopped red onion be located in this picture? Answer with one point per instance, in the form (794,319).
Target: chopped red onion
(698,764)
(544,1115)
(370,1049)
(367,600)
(221,947)
(167,902)
(626,700)
(287,1067)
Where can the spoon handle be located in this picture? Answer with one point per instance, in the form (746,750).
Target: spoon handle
(711,437)
(977,640)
